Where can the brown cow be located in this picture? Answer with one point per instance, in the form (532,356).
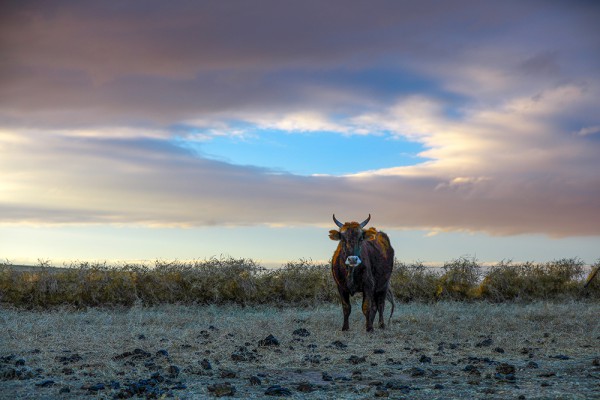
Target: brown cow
(362,262)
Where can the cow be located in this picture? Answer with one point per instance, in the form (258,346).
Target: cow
(362,262)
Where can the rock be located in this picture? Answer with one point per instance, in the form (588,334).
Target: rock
(485,343)
(268,341)
(222,389)
(356,360)
(277,390)
(505,368)
(339,345)
(415,372)
(142,337)
(499,350)
(227,373)
(547,374)
(378,351)
(561,357)
(20,362)
(7,373)
(65,389)
(205,364)
(97,387)
(301,332)
(425,359)
(157,377)
(305,387)
(398,385)
(326,377)
(438,386)
(179,386)
(173,371)
(67,371)
(255,380)
(596,362)
(162,353)
(472,370)
(381,393)
(69,359)
(532,365)
(46,383)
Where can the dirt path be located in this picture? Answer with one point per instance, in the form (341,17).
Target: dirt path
(444,350)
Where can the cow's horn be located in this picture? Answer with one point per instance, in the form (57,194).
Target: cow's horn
(365,222)
(338,223)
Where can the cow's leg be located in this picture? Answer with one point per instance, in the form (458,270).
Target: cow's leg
(380,300)
(369,309)
(346,307)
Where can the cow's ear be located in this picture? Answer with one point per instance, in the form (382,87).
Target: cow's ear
(334,235)
(370,234)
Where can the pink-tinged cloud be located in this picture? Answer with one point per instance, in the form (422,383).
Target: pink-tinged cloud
(503,98)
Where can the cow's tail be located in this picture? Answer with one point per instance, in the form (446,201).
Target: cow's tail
(390,297)
(592,276)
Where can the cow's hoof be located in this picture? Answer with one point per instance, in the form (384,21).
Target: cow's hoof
(345,328)
(369,329)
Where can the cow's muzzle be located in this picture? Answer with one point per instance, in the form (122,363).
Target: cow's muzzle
(353,261)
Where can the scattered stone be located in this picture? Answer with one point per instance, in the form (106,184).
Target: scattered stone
(227,373)
(425,359)
(339,345)
(268,341)
(142,337)
(499,350)
(398,385)
(162,353)
(532,365)
(277,390)
(255,380)
(205,364)
(485,343)
(305,387)
(69,359)
(7,373)
(20,362)
(511,378)
(173,371)
(95,388)
(438,386)
(179,386)
(381,393)
(505,368)
(561,357)
(378,351)
(596,362)
(472,370)
(415,372)
(356,360)
(157,377)
(67,371)
(222,389)
(65,389)
(136,354)
(46,383)
(326,377)
(547,374)
(301,332)
(375,383)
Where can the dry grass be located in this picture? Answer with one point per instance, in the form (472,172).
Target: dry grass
(562,339)
(244,282)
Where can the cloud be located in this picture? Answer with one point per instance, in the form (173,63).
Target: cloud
(95,95)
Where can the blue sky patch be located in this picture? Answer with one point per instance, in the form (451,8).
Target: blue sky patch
(307,153)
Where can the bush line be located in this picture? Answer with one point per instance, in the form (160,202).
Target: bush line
(303,282)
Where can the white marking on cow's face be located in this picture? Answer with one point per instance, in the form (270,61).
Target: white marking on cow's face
(353,261)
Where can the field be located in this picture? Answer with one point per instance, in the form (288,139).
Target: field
(138,332)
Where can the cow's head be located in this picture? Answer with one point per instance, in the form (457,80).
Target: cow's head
(351,235)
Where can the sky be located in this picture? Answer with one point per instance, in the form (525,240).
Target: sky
(186,130)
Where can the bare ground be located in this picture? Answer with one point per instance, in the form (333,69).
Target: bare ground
(444,350)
